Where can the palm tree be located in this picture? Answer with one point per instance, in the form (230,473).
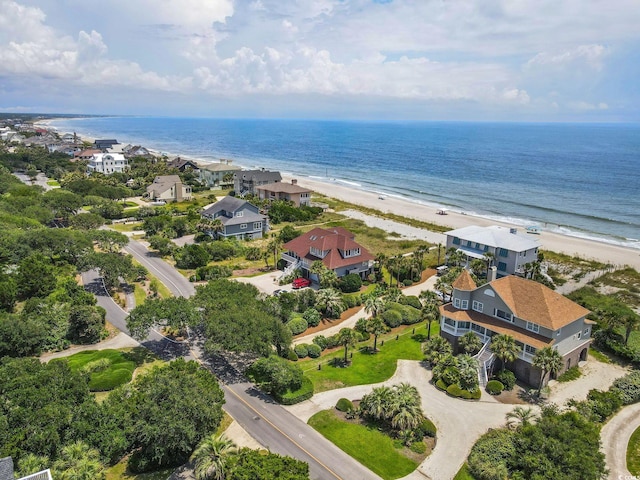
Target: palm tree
(31,463)
(520,416)
(377,404)
(373,305)
(406,394)
(505,348)
(79,462)
(455,256)
(329,301)
(348,338)
(477,267)
(489,257)
(547,360)
(630,321)
(274,245)
(470,343)
(436,349)
(376,326)
(430,308)
(211,456)
(381,260)
(468,369)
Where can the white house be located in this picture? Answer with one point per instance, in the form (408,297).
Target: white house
(107,163)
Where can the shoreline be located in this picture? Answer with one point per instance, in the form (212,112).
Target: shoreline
(600,249)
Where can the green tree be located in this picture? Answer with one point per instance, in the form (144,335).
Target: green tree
(520,416)
(163,245)
(436,349)
(86,221)
(110,241)
(178,313)
(86,323)
(547,360)
(329,301)
(79,462)
(376,327)
(256,465)
(288,233)
(62,203)
(470,343)
(347,337)
(210,457)
(468,372)
(35,277)
(275,375)
(191,256)
(505,348)
(430,308)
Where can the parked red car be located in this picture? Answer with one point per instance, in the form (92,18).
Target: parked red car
(301,283)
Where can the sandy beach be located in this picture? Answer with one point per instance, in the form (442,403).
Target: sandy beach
(584,248)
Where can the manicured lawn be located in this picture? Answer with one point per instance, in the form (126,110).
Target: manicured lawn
(370,447)
(139,294)
(115,368)
(126,227)
(463,474)
(119,472)
(53,183)
(366,368)
(633,453)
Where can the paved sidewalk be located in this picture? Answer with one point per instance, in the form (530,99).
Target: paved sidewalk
(615,437)
(119,341)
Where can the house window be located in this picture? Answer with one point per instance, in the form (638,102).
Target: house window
(586,332)
(257,225)
(469,243)
(466,325)
(477,246)
(243,226)
(503,315)
(486,248)
(529,349)
(503,252)
(449,322)
(456,302)
(558,332)
(239,214)
(465,304)
(533,327)
(478,328)
(456,241)
(502,266)
(477,306)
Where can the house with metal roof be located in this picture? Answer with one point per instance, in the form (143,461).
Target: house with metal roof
(335,247)
(238,217)
(511,250)
(533,314)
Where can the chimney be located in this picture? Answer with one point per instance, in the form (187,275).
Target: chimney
(294,181)
(513,230)
(492,274)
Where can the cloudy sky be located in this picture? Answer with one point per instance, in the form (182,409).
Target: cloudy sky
(540,60)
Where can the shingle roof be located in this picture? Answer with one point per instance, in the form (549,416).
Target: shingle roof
(494,236)
(334,240)
(281,187)
(163,182)
(228,204)
(464,282)
(6,468)
(218,167)
(536,303)
(259,175)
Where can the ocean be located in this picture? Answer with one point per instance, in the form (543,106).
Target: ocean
(577,179)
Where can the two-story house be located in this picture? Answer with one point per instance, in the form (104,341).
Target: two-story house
(335,247)
(291,192)
(246,181)
(239,218)
(218,174)
(168,188)
(511,251)
(107,163)
(533,314)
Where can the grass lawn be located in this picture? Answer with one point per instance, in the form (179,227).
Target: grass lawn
(119,472)
(128,227)
(599,356)
(163,291)
(463,474)
(139,294)
(633,453)
(370,447)
(53,183)
(366,368)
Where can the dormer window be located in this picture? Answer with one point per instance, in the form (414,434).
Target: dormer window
(533,327)
(317,253)
(352,253)
(503,315)
(239,214)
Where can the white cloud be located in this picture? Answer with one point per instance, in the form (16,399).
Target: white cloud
(583,106)
(590,55)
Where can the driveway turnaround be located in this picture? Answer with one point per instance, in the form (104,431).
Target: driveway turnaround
(615,437)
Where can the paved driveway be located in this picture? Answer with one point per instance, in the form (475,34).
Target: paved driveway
(615,437)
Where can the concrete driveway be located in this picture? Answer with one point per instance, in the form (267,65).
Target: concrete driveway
(266,283)
(615,437)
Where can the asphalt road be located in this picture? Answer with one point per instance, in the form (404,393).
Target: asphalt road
(266,421)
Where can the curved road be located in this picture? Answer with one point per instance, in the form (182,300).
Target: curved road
(266,421)
(615,437)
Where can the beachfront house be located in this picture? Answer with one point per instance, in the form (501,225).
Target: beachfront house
(335,247)
(136,151)
(511,251)
(182,164)
(107,163)
(238,218)
(218,174)
(291,192)
(168,188)
(246,181)
(533,314)
(103,144)
(86,155)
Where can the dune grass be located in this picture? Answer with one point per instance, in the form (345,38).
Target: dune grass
(633,453)
(365,367)
(372,448)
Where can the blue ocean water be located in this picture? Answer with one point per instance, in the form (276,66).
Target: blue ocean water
(578,179)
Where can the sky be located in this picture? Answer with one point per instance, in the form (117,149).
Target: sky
(483,60)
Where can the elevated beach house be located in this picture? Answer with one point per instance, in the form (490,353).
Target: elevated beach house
(218,174)
(238,218)
(291,192)
(511,250)
(534,315)
(168,188)
(107,163)
(335,247)
(246,181)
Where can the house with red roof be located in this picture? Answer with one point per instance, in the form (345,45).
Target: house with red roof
(335,247)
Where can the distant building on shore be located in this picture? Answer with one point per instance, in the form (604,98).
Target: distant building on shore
(246,181)
(510,250)
(218,174)
(168,188)
(183,164)
(291,192)
(107,163)
(104,144)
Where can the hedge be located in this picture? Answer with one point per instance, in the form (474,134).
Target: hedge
(297,325)
(440,385)
(301,350)
(305,392)
(494,387)
(320,341)
(392,318)
(454,390)
(428,428)
(507,378)
(344,405)
(412,301)
(313,350)
(628,387)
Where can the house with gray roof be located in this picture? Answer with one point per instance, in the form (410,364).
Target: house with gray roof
(239,219)
(218,174)
(169,188)
(511,250)
(6,472)
(246,181)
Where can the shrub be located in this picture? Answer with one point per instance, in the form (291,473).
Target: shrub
(333,341)
(344,405)
(364,336)
(212,272)
(305,392)
(392,318)
(494,387)
(410,315)
(275,375)
(440,385)
(349,301)
(312,316)
(407,282)
(321,341)
(489,456)
(253,253)
(96,365)
(314,350)
(571,374)
(301,350)
(350,283)
(297,325)
(455,391)
(507,378)
(191,256)
(604,404)
(426,428)
(411,300)
(628,387)
(418,447)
